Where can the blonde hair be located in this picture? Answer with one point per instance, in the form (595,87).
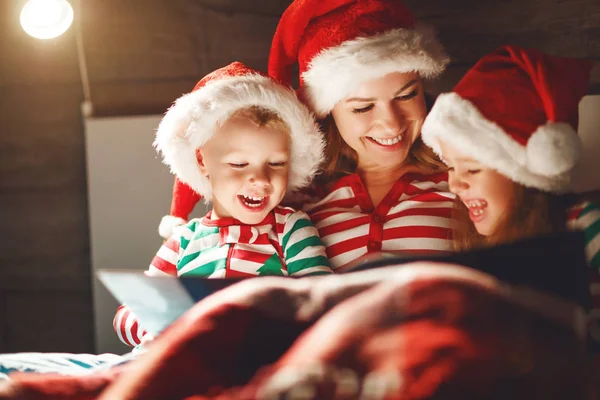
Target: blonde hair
(533,213)
(262,118)
(341,159)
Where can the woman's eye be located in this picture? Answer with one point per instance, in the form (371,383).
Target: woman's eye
(278,164)
(362,110)
(450,169)
(409,96)
(235,165)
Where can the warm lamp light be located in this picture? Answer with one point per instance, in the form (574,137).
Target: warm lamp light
(46,19)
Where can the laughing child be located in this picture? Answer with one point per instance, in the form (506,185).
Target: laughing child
(239,140)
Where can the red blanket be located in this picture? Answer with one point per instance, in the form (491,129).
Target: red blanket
(418,331)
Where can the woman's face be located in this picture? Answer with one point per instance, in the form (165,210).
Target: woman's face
(382,119)
(487,194)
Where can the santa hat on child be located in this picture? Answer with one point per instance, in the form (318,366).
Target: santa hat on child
(339,44)
(515,111)
(194,118)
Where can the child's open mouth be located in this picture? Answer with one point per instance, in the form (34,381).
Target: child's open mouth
(253,203)
(476,209)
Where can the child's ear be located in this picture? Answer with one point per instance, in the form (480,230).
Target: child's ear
(201,164)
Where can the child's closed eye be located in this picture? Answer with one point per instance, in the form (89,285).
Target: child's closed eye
(474,171)
(278,164)
(237,165)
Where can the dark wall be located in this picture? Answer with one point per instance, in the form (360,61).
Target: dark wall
(141,55)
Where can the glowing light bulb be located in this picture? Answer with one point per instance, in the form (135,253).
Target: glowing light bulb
(46,19)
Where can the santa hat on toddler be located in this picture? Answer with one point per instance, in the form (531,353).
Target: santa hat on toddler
(515,111)
(339,44)
(194,118)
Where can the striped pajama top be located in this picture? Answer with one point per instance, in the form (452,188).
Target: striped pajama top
(586,217)
(285,243)
(413,218)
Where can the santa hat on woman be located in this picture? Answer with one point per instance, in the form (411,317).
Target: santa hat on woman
(515,111)
(339,44)
(195,117)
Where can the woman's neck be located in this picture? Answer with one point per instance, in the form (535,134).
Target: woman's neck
(384,176)
(379,180)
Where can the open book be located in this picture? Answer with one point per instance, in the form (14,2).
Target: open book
(158,301)
(554,264)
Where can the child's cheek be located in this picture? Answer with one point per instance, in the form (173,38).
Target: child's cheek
(232,173)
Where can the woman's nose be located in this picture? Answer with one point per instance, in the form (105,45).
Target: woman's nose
(392,117)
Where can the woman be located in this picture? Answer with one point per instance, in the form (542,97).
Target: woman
(362,65)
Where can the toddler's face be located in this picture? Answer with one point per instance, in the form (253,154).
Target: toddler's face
(248,168)
(487,194)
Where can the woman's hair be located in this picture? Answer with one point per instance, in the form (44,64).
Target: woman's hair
(533,213)
(341,159)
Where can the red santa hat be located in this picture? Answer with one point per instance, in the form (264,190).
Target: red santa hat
(194,118)
(339,44)
(515,111)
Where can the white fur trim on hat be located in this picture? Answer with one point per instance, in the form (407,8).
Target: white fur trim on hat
(167,224)
(195,117)
(336,72)
(545,162)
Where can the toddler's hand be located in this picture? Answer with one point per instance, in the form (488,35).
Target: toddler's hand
(147,339)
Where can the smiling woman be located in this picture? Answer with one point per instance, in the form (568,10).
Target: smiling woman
(362,65)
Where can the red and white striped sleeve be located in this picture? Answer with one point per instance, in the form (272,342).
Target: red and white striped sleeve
(164,262)
(127,327)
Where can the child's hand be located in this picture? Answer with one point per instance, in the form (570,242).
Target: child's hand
(143,346)
(147,339)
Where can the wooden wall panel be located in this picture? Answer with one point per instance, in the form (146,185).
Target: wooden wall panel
(454,73)
(3,321)
(471,28)
(135,41)
(48,320)
(235,37)
(42,143)
(49,246)
(45,298)
(139,97)
(142,62)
